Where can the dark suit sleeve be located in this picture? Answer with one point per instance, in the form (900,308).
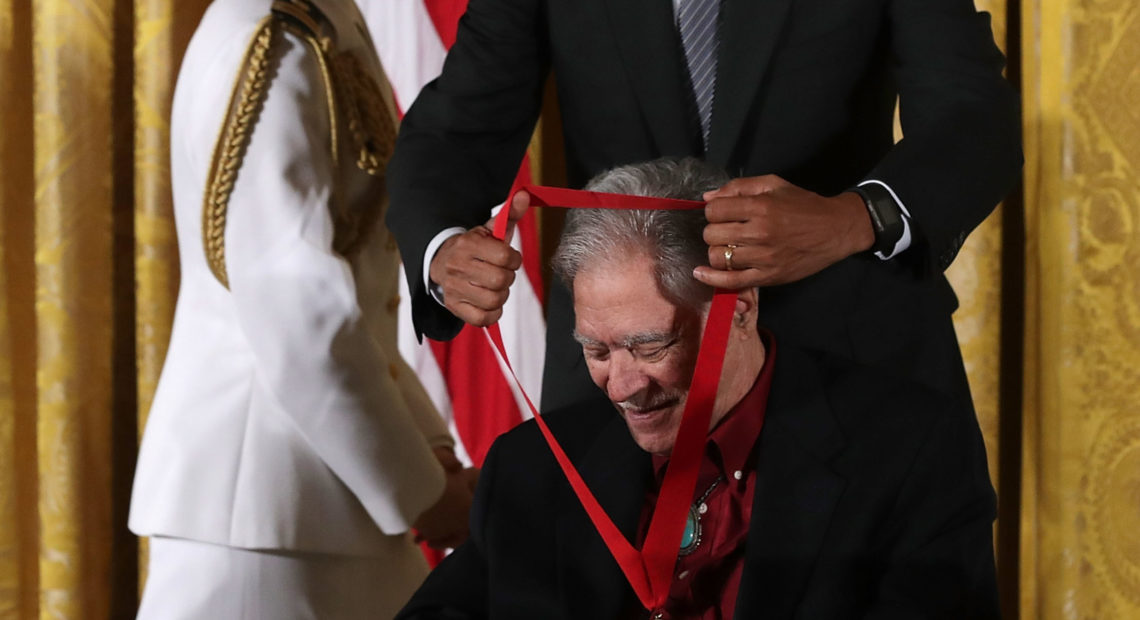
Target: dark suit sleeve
(961,150)
(941,563)
(463,139)
(457,588)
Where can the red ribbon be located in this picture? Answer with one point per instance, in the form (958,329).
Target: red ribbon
(650,570)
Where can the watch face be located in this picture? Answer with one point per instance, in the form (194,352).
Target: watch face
(886,216)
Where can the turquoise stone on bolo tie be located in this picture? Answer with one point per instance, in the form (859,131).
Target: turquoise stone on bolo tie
(691,537)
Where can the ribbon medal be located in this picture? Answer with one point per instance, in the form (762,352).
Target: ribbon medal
(675,526)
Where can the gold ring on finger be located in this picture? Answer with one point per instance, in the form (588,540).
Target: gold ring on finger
(728,250)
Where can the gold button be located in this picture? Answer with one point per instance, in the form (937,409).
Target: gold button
(394,370)
(394,303)
(391,245)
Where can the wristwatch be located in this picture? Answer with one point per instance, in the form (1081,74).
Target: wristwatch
(886,216)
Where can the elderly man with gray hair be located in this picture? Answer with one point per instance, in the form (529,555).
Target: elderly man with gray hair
(825,490)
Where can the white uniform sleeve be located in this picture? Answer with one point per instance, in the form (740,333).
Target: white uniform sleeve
(427,417)
(297,305)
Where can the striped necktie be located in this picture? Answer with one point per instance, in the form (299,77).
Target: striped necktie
(697,22)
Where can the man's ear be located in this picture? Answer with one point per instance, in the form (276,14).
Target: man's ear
(746,307)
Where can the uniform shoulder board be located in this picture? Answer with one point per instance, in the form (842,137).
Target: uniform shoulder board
(305,19)
(369,127)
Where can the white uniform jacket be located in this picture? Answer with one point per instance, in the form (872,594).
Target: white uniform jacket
(284,417)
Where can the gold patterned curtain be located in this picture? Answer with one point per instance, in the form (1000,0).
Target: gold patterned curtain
(86,289)
(1081,481)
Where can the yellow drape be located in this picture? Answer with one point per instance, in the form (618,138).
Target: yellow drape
(18,525)
(162,29)
(73,257)
(86,290)
(1081,501)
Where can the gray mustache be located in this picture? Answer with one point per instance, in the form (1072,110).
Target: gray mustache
(639,403)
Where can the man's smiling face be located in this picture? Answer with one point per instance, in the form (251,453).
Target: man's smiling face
(640,348)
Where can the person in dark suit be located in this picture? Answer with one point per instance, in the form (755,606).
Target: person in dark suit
(849,233)
(826,491)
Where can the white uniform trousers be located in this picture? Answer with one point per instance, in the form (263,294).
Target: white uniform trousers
(189,580)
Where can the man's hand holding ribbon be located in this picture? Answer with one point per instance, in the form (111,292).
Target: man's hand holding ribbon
(474,270)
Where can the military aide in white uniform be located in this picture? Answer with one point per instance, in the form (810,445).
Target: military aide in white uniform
(289,448)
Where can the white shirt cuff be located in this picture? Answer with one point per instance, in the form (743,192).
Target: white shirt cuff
(429,254)
(904,241)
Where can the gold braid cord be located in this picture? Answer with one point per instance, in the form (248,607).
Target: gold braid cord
(372,135)
(370,126)
(249,94)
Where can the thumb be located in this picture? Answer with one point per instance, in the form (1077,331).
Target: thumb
(520,203)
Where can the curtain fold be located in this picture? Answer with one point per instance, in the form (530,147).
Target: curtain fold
(19,575)
(88,277)
(162,30)
(73,65)
(1081,505)
(9,513)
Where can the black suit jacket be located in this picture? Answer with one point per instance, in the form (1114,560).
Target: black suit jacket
(805,89)
(872,501)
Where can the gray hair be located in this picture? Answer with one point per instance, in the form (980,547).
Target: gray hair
(673,238)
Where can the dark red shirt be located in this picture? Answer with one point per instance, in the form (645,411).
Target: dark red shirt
(706,581)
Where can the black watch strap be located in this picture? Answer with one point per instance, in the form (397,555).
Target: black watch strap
(886,216)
